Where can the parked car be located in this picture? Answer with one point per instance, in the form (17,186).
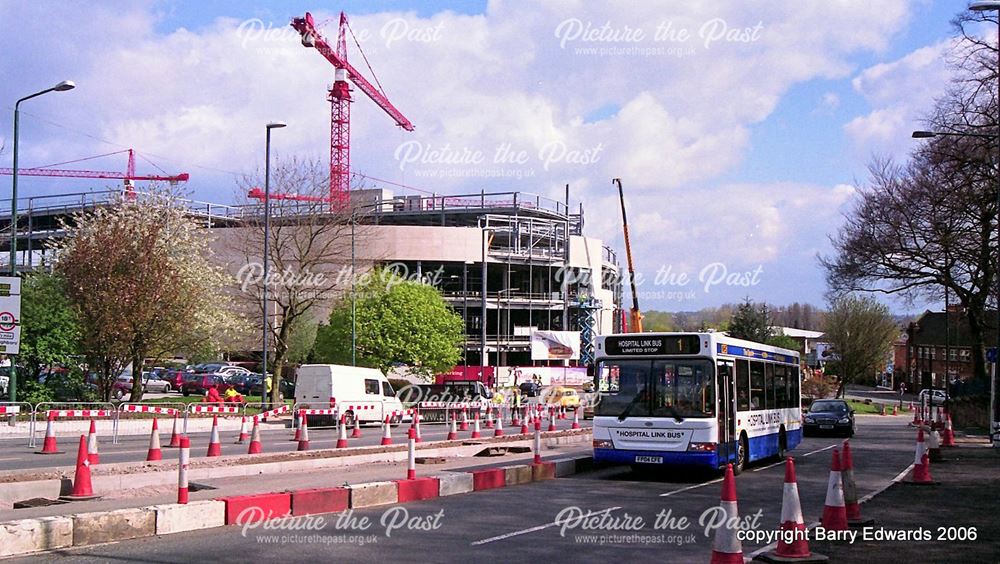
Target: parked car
(830,416)
(198,383)
(937,396)
(287,387)
(176,378)
(150,383)
(561,396)
(241,382)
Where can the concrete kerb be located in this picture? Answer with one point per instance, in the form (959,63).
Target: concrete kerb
(25,536)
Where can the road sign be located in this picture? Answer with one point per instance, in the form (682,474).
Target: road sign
(991,354)
(10,314)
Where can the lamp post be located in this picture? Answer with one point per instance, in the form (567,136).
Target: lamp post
(267,257)
(61,87)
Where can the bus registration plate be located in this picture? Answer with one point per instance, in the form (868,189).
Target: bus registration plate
(649,459)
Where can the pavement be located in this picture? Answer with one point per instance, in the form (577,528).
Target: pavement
(648,516)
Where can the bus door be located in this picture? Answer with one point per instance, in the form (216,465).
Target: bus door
(726,410)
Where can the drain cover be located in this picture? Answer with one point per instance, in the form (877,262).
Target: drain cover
(429,460)
(195,487)
(37,502)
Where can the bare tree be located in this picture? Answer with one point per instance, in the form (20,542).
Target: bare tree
(310,254)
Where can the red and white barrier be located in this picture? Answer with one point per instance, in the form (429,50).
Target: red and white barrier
(276,411)
(215,409)
(81,413)
(133,408)
(10,409)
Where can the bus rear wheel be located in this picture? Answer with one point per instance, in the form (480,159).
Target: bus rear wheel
(742,453)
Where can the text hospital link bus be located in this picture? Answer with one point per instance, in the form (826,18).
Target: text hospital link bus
(700,399)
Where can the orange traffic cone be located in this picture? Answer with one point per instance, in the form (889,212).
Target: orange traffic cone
(465,421)
(851,505)
(453,432)
(525,422)
(515,417)
(244,435)
(92,454)
(214,446)
(834,511)
(387,433)
(894,411)
(793,544)
(154,452)
(82,488)
(489,417)
(498,430)
(304,435)
(948,439)
(934,446)
(342,439)
(921,463)
(576,418)
(356,433)
(49,445)
(726,546)
(475,428)
(175,438)
(255,446)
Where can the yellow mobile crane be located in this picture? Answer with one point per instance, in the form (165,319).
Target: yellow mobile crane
(635,318)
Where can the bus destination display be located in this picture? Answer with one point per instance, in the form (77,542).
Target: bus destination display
(652,345)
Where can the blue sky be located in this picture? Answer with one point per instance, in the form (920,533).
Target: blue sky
(733,153)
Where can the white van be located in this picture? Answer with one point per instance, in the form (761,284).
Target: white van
(359,393)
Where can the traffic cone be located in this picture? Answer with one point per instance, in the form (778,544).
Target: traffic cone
(851,505)
(175,439)
(934,446)
(538,442)
(453,432)
(356,433)
(498,430)
(214,446)
(182,468)
(515,417)
(552,420)
(465,421)
(792,526)
(576,418)
(386,433)
(524,424)
(475,427)
(894,412)
(242,439)
(49,444)
(834,511)
(726,546)
(92,454)
(154,452)
(489,417)
(82,488)
(297,422)
(921,462)
(304,435)
(255,446)
(342,439)
(948,439)
(881,409)
(916,416)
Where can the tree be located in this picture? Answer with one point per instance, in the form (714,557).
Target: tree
(138,274)
(860,331)
(301,339)
(751,322)
(398,322)
(50,329)
(927,227)
(783,341)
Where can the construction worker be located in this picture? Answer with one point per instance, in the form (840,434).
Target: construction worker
(232,396)
(212,396)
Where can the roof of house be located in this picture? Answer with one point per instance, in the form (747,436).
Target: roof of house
(932,327)
(799,333)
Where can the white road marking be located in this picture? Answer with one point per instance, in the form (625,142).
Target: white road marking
(538,528)
(768,466)
(688,488)
(821,450)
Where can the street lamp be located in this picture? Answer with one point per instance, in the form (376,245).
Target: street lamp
(61,87)
(267,256)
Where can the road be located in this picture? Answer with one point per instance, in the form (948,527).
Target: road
(522,524)
(14,455)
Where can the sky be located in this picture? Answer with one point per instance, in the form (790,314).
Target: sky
(740,130)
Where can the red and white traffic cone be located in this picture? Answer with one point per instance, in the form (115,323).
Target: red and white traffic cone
(552,420)
(475,427)
(881,409)
(726,546)
(851,505)
(921,462)
(894,411)
(489,417)
(214,446)
(576,418)
(297,422)
(244,434)
(948,439)
(182,468)
(498,430)
(525,422)
(82,487)
(92,454)
(916,415)
(793,544)
(304,436)
(934,446)
(342,439)
(465,421)
(386,433)
(356,433)
(49,444)
(538,442)
(255,446)
(515,417)
(154,452)
(834,511)
(411,457)
(453,431)
(175,439)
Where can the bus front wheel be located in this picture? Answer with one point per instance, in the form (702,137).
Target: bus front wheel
(742,453)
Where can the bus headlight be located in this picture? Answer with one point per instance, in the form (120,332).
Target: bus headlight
(702,447)
(601,443)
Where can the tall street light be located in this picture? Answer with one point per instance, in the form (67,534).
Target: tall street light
(61,87)
(994,6)
(267,257)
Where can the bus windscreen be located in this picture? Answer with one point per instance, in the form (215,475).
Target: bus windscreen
(657,388)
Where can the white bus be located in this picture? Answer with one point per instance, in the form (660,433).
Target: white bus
(700,399)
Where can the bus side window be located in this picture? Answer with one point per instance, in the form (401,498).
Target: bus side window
(769,386)
(756,385)
(742,385)
(795,400)
(780,386)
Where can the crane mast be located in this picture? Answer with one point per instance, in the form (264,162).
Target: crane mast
(635,317)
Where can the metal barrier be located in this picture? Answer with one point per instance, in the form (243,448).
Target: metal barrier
(82,409)
(154,408)
(196,408)
(300,409)
(23,410)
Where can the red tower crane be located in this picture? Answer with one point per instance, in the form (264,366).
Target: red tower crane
(129,176)
(340,103)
